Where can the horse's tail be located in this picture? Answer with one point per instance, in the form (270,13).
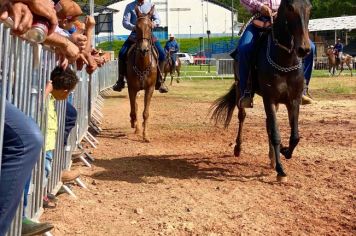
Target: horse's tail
(223,108)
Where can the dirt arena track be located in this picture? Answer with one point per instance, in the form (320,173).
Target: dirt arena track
(187,182)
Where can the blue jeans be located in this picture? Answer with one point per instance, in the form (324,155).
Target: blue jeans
(128,43)
(174,58)
(308,63)
(48,166)
(21,149)
(70,119)
(245,47)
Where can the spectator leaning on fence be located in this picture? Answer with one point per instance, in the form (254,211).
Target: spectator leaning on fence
(22,140)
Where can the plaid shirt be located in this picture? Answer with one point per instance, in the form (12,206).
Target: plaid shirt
(254,6)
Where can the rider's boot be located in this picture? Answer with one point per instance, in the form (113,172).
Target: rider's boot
(306,98)
(160,85)
(246,100)
(120,83)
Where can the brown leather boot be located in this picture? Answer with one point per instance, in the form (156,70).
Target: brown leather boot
(120,84)
(160,85)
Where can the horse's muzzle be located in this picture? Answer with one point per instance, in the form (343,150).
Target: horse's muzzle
(143,51)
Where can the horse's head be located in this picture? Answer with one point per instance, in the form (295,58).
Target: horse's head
(296,18)
(144,31)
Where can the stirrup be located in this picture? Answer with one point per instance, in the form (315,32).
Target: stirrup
(246,101)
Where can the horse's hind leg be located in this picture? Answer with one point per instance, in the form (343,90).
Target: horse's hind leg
(242,116)
(146,112)
(178,75)
(293,115)
(171,78)
(341,68)
(133,113)
(274,137)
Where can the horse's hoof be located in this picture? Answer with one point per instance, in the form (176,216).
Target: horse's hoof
(146,140)
(282,178)
(137,131)
(286,153)
(237,151)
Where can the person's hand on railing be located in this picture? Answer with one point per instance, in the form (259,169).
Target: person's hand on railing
(80,40)
(63,61)
(43,8)
(89,22)
(20,14)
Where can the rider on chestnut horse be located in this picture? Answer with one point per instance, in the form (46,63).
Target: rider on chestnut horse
(338,50)
(129,22)
(172,48)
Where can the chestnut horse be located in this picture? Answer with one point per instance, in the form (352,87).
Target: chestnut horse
(278,79)
(168,67)
(142,70)
(334,64)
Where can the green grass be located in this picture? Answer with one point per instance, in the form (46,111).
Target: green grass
(207,90)
(185,44)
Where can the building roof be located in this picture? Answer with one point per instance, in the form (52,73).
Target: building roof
(334,23)
(110,2)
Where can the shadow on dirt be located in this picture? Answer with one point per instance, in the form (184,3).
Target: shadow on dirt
(141,168)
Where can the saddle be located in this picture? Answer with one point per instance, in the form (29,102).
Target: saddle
(265,25)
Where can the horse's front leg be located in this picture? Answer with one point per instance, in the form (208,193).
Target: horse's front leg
(133,112)
(293,115)
(146,112)
(274,137)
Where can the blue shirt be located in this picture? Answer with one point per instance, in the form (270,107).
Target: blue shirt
(130,18)
(339,47)
(171,46)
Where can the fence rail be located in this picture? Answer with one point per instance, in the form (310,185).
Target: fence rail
(25,68)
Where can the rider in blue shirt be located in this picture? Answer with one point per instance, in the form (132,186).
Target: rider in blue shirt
(173,48)
(129,22)
(339,48)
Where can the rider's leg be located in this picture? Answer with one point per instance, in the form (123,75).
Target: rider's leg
(120,84)
(174,61)
(244,56)
(308,68)
(161,56)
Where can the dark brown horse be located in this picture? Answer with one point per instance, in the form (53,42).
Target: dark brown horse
(142,69)
(279,79)
(334,63)
(168,67)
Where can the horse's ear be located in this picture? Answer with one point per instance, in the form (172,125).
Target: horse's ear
(138,13)
(151,11)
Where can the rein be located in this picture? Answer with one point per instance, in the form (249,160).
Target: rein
(276,43)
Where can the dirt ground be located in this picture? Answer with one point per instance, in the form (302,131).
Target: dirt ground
(187,181)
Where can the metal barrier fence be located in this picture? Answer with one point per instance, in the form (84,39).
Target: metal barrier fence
(224,68)
(24,70)
(208,68)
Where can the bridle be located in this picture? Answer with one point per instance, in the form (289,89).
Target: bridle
(142,74)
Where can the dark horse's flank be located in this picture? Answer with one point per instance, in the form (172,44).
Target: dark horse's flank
(280,79)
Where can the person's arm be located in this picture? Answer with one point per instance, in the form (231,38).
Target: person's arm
(155,18)
(64,44)
(43,8)
(20,14)
(127,18)
(89,30)
(177,47)
(252,5)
